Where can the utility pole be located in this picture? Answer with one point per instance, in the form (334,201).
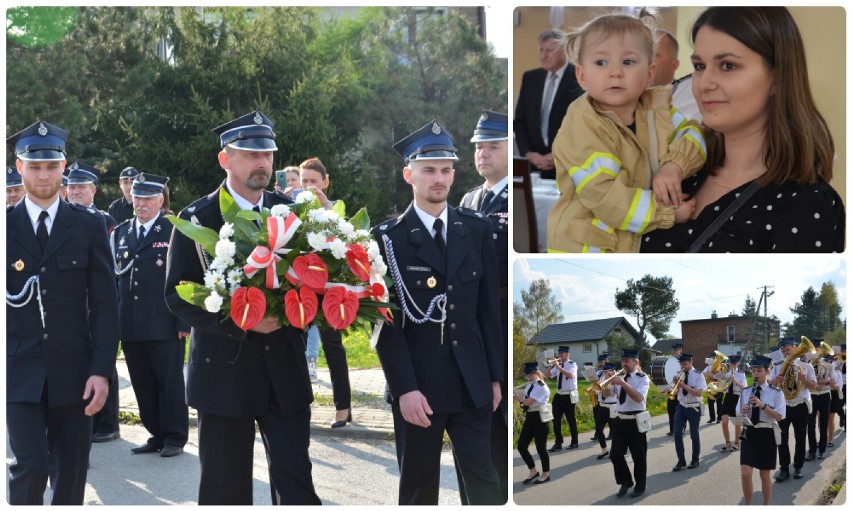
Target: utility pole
(765,298)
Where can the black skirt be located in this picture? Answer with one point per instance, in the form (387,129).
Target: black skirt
(729,405)
(759,450)
(836,402)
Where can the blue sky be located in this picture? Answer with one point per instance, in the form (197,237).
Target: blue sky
(586,286)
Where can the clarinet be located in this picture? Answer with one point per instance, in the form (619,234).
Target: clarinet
(750,407)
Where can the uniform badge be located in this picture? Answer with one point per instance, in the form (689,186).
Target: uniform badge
(191,209)
(431,282)
(126,254)
(483,117)
(383,227)
(436,129)
(140,178)
(258,119)
(9,170)
(157,228)
(159,262)
(19,265)
(119,265)
(42,129)
(122,241)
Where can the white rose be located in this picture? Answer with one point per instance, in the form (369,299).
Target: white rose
(213,302)
(220,264)
(332,215)
(373,250)
(346,229)
(280,210)
(338,248)
(379,266)
(361,233)
(317,240)
(305,196)
(225,249)
(226,231)
(318,215)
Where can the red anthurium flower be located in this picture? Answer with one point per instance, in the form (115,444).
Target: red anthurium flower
(359,261)
(248,306)
(300,307)
(377,291)
(311,270)
(340,307)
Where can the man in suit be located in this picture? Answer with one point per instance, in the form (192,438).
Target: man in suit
(491,198)
(152,338)
(82,186)
(441,356)
(122,208)
(238,378)
(543,100)
(61,325)
(14,187)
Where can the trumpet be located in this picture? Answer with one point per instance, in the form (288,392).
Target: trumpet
(601,385)
(673,393)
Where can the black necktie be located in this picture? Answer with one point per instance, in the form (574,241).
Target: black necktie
(486,200)
(439,236)
(256,209)
(141,232)
(755,411)
(622,395)
(685,382)
(41,230)
(559,387)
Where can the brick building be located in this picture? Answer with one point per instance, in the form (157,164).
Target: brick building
(731,335)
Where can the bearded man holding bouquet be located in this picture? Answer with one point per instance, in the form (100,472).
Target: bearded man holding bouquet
(241,377)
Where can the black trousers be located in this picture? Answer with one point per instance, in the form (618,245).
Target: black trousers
(715,407)
(420,456)
(671,407)
(601,416)
(562,406)
(46,442)
(226,452)
(798,417)
(499,452)
(338,368)
(106,420)
(821,406)
(156,372)
(626,435)
(534,429)
(842,410)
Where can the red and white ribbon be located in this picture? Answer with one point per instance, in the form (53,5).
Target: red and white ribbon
(280,230)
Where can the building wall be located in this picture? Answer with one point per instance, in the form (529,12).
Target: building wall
(701,338)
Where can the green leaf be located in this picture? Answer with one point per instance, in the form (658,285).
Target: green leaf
(227,205)
(206,236)
(339,208)
(361,220)
(249,215)
(193,293)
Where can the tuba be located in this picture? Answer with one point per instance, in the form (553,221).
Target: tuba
(791,386)
(821,368)
(715,388)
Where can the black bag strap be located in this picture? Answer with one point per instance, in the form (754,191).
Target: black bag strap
(723,217)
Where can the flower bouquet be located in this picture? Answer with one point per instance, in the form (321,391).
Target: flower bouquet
(300,263)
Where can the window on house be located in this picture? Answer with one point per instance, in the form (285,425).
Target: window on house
(587,348)
(731,333)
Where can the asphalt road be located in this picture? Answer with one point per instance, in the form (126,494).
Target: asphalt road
(577,478)
(346,471)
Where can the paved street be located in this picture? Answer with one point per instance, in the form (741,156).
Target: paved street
(577,478)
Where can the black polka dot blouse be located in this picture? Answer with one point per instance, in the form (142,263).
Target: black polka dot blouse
(786,218)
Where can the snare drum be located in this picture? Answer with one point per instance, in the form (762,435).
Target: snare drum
(663,370)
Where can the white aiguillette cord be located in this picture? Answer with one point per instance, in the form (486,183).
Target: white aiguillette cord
(32,285)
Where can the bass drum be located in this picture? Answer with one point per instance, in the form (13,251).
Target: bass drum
(663,371)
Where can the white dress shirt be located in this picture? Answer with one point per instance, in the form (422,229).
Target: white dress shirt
(34,210)
(640,384)
(770,396)
(805,393)
(694,379)
(429,221)
(539,393)
(568,384)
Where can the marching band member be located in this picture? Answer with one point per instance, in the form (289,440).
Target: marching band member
(632,392)
(840,364)
(605,410)
(566,398)
(836,407)
(729,405)
(690,385)
(535,426)
(597,403)
(821,400)
(671,404)
(714,403)
(798,410)
(764,405)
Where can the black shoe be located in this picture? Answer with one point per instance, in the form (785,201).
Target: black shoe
(692,464)
(669,433)
(711,421)
(341,423)
(623,490)
(830,444)
(679,466)
(531,479)
(609,436)
(718,421)
(594,439)
(603,455)
(821,456)
(170,451)
(782,475)
(146,448)
(555,448)
(636,493)
(572,446)
(105,437)
(809,456)
(542,481)
(797,473)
